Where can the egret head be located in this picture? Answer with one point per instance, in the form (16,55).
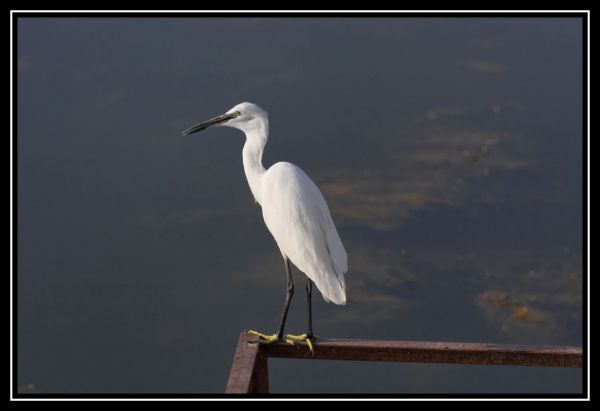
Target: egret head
(244,116)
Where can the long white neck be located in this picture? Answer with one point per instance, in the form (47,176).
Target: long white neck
(256,138)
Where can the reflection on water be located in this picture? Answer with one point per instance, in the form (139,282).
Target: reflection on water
(448,151)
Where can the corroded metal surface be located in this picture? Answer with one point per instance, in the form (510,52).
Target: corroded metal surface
(434,352)
(249,372)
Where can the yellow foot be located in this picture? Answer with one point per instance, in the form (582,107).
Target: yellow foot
(303,338)
(268,339)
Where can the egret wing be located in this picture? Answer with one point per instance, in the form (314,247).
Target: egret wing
(297,216)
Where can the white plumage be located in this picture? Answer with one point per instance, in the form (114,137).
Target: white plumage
(294,209)
(295,213)
(297,216)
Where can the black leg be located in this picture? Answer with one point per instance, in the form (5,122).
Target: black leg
(288,298)
(309,334)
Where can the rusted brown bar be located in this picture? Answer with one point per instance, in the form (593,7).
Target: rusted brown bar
(433,352)
(249,372)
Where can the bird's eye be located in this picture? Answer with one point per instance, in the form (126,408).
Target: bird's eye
(237,114)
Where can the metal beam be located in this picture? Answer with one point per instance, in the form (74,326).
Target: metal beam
(249,372)
(433,352)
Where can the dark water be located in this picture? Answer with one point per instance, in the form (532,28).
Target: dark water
(449,151)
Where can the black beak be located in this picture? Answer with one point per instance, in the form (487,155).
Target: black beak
(207,124)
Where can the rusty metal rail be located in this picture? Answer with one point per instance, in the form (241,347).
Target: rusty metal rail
(249,372)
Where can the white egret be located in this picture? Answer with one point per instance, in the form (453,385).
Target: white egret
(295,213)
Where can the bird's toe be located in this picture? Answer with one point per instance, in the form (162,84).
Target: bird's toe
(305,338)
